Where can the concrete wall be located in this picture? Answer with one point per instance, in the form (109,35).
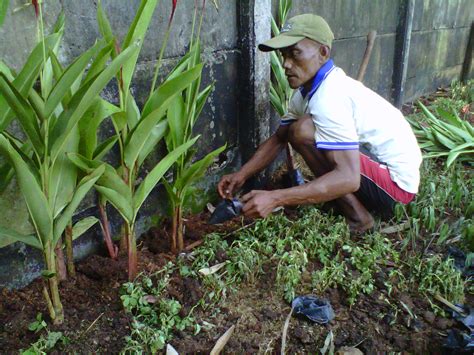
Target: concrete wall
(238,112)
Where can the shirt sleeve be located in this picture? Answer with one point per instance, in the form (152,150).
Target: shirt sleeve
(334,123)
(294,109)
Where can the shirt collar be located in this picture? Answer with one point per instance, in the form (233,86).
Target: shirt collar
(322,73)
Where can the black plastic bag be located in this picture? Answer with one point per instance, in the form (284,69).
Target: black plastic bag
(226,210)
(316,309)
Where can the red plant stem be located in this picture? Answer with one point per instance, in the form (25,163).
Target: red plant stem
(36,6)
(60,262)
(174,232)
(105,226)
(71,270)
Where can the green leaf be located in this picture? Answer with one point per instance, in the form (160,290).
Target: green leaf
(24,111)
(157,173)
(157,133)
(121,204)
(83,226)
(197,169)
(69,76)
(3,10)
(70,117)
(453,155)
(136,33)
(81,190)
(103,148)
(63,177)
(26,78)
(161,99)
(31,240)
(35,199)
(99,62)
(104,24)
(177,121)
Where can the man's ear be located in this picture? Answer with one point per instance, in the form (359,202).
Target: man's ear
(324,51)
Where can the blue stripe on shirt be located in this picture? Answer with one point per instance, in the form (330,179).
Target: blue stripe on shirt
(337,145)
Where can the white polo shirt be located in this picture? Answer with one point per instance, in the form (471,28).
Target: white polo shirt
(347,114)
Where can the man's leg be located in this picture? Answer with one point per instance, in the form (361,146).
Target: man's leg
(301,137)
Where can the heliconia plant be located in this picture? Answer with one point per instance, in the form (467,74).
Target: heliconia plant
(137,133)
(182,117)
(49,117)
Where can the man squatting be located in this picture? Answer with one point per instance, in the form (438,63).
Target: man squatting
(360,148)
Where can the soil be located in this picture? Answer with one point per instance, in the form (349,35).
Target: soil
(96,322)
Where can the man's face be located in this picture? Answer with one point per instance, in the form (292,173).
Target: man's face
(301,62)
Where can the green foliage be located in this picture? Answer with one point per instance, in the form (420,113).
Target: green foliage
(45,343)
(49,115)
(280,91)
(182,116)
(38,324)
(434,275)
(443,133)
(155,317)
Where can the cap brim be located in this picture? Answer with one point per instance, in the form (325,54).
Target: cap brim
(280,41)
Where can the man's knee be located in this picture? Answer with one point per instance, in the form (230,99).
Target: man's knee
(301,132)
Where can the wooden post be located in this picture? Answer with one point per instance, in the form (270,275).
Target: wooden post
(403,52)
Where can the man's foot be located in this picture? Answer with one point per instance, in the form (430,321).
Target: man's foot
(362,225)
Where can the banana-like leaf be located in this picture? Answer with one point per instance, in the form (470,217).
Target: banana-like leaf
(89,124)
(109,179)
(3,10)
(202,99)
(105,28)
(133,113)
(73,115)
(6,175)
(453,155)
(36,202)
(48,72)
(99,62)
(25,113)
(182,65)
(30,240)
(197,169)
(121,204)
(63,176)
(136,34)
(83,226)
(81,190)
(26,77)
(161,99)
(6,70)
(157,133)
(70,75)
(157,173)
(104,147)
(177,122)
(37,104)
(170,88)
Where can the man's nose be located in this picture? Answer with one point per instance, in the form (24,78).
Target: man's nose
(286,63)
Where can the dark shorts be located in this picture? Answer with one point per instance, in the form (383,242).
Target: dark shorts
(378,192)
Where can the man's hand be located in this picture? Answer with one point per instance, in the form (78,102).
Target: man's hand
(258,203)
(229,184)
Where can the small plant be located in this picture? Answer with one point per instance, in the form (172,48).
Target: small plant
(444,136)
(155,316)
(137,133)
(45,344)
(182,116)
(49,116)
(38,324)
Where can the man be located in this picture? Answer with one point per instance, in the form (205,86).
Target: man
(360,148)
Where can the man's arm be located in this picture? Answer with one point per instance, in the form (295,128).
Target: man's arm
(264,155)
(343,179)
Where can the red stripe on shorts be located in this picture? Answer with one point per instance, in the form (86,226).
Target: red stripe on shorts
(379,175)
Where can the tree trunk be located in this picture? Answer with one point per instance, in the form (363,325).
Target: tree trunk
(132,252)
(71,270)
(60,262)
(57,312)
(105,226)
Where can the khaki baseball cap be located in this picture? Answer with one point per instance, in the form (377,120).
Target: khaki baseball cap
(297,28)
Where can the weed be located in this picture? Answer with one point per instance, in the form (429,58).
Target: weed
(155,316)
(46,343)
